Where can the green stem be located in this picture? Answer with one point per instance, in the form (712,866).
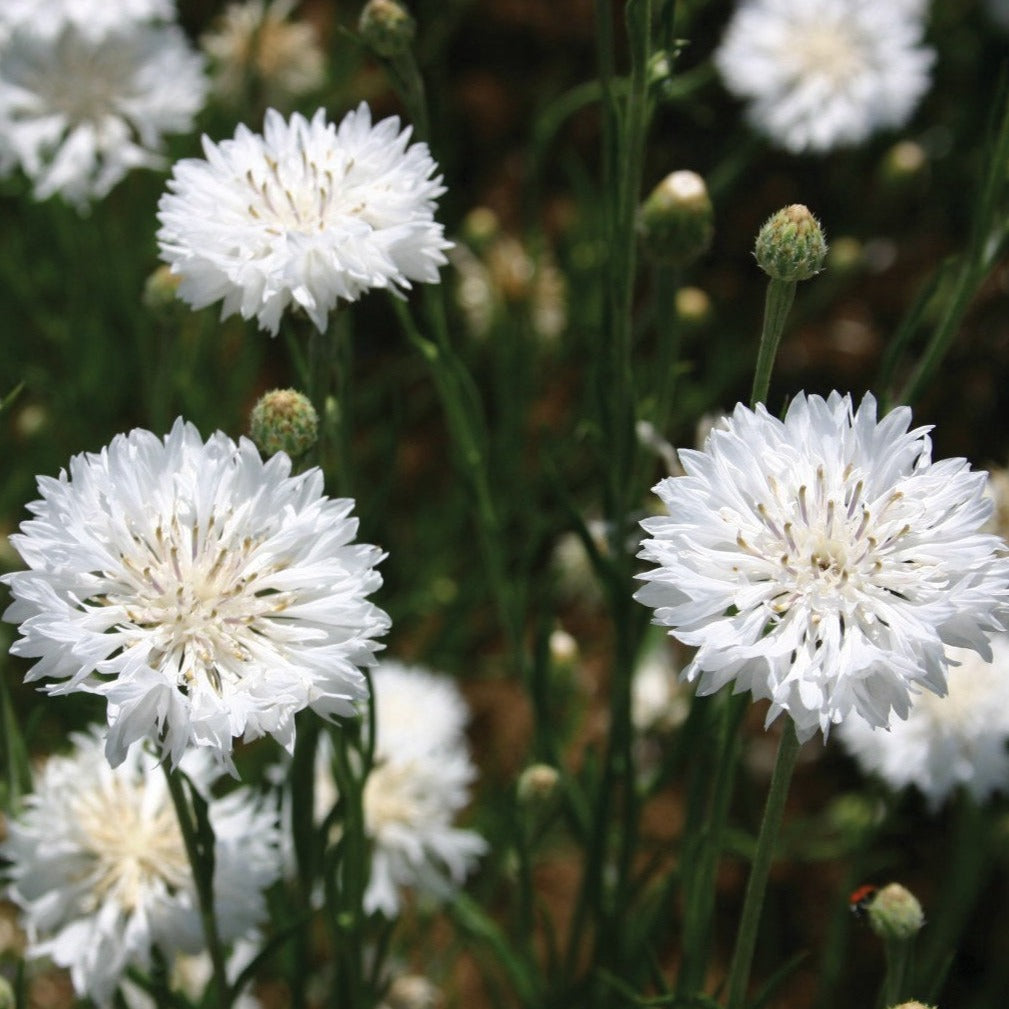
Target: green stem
(200,850)
(780,295)
(753,902)
(899,954)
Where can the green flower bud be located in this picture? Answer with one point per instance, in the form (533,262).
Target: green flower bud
(790,245)
(537,784)
(895,914)
(284,420)
(677,222)
(386,27)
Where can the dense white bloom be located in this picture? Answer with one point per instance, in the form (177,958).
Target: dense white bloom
(946,742)
(824,561)
(78,112)
(822,73)
(205,593)
(257,40)
(417,786)
(99,869)
(306,214)
(92,18)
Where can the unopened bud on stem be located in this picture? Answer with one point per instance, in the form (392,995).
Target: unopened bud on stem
(284,420)
(386,27)
(677,222)
(790,245)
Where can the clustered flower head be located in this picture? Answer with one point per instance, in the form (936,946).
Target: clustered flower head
(819,74)
(258,43)
(824,561)
(418,785)
(304,215)
(89,91)
(205,593)
(98,865)
(946,742)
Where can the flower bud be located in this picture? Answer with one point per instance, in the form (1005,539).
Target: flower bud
(790,245)
(386,27)
(677,222)
(284,420)
(160,289)
(895,914)
(693,306)
(563,648)
(913,1004)
(537,784)
(412,991)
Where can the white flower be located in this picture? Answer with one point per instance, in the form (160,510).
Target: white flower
(99,869)
(946,742)
(824,561)
(418,784)
(205,593)
(823,73)
(77,113)
(92,18)
(306,214)
(256,38)
(660,702)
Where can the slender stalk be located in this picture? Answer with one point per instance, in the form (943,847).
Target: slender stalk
(780,295)
(201,861)
(753,902)
(899,956)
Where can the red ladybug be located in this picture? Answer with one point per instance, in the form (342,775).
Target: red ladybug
(861,898)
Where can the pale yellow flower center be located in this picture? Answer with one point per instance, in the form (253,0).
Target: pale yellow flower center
(132,849)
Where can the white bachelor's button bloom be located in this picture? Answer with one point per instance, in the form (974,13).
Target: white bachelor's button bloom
(92,18)
(824,561)
(98,865)
(305,215)
(77,113)
(946,742)
(256,42)
(205,593)
(418,785)
(819,74)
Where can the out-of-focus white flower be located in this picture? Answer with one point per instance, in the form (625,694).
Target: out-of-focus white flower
(998,11)
(306,214)
(78,112)
(824,561)
(98,865)
(205,593)
(947,742)
(660,702)
(819,74)
(418,784)
(255,42)
(91,18)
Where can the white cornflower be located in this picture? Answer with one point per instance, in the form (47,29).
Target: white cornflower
(92,18)
(306,214)
(77,113)
(824,561)
(824,73)
(256,41)
(98,865)
(205,593)
(419,783)
(946,742)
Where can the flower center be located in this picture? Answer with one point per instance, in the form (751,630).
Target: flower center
(133,848)
(824,51)
(828,545)
(390,797)
(296,195)
(199,599)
